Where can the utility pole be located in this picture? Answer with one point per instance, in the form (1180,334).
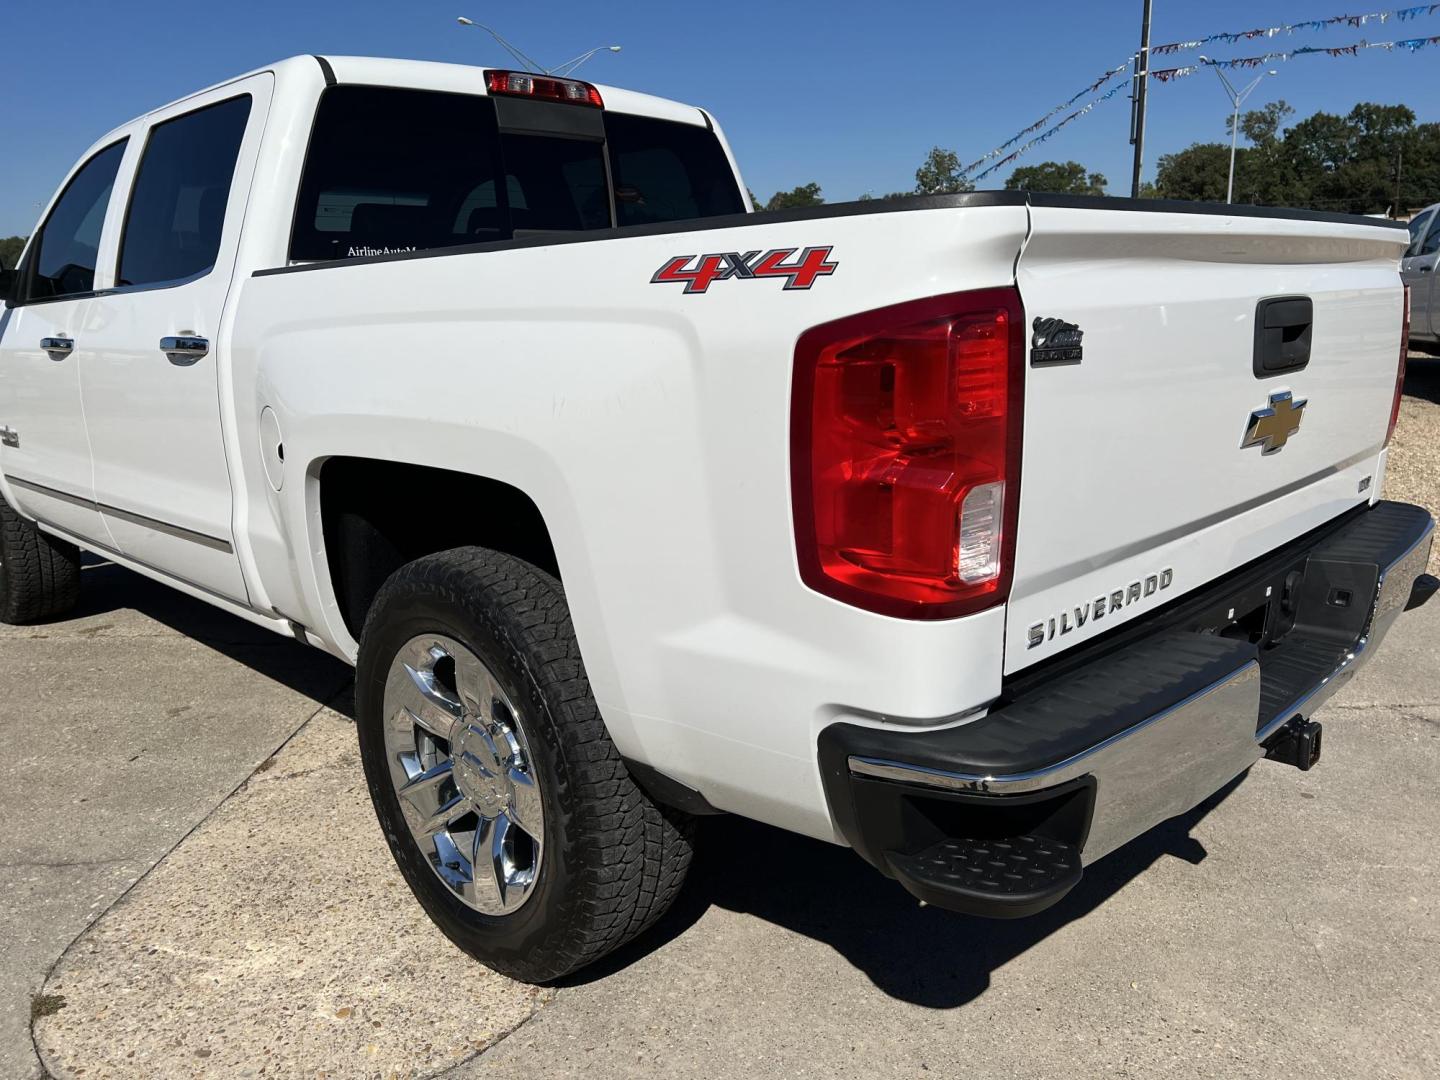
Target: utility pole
(1137,115)
(1399,165)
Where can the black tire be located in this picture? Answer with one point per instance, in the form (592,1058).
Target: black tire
(614,860)
(39,575)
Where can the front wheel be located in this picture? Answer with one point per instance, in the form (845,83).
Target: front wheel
(39,574)
(504,802)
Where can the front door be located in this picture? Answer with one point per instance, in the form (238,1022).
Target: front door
(151,386)
(45,333)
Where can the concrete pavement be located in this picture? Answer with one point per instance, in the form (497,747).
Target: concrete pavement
(124,725)
(1285,929)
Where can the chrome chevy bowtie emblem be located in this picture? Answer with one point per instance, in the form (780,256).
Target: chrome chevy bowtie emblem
(1271,427)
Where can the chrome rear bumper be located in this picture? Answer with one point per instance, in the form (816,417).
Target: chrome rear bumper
(1143,733)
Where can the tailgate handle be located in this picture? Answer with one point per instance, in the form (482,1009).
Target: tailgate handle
(1282,334)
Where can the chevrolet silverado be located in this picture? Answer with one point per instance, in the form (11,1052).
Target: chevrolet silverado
(980,533)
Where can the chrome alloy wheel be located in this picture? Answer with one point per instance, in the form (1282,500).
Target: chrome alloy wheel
(466,782)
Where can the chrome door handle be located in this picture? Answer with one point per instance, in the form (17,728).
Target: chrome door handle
(57,347)
(184,349)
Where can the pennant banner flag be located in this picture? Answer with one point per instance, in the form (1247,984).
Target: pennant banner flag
(1408,44)
(1050,134)
(1166,75)
(1038,124)
(1234,37)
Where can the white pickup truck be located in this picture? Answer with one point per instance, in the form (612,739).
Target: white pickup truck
(979,532)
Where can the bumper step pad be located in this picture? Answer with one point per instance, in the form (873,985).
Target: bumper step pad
(1009,878)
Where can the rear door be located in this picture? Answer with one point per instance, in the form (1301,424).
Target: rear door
(1161,456)
(150,380)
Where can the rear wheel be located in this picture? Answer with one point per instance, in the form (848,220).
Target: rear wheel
(39,575)
(505,804)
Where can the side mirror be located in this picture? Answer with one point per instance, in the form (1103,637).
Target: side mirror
(8,280)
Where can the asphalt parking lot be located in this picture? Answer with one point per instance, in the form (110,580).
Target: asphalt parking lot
(192,884)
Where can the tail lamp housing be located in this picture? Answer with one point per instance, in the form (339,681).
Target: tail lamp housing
(1400,371)
(905,456)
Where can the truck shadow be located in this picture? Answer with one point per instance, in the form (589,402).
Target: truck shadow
(106,588)
(921,955)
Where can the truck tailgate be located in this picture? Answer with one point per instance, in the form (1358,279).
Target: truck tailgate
(1136,485)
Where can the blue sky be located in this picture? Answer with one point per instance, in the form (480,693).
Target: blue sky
(850,94)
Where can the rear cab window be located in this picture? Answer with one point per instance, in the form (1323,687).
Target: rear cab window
(393,170)
(666,171)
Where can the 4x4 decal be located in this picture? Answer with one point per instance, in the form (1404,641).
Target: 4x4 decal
(812,263)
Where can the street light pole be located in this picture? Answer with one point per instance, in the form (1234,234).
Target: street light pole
(569,66)
(525,61)
(1237,98)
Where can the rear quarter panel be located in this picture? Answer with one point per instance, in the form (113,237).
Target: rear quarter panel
(651,428)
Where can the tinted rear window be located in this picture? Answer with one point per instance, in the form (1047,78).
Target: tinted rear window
(668,172)
(555,184)
(392,170)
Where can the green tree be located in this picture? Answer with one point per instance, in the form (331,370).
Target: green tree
(1262,126)
(1352,163)
(1066,177)
(1198,172)
(1357,163)
(939,174)
(10,249)
(797,197)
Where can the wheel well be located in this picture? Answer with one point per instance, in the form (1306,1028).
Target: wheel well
(379,515)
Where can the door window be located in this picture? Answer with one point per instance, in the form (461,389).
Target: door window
(1417,232)
(1431,243)
(63,254)
(177,206)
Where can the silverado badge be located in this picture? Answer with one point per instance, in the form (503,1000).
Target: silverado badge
(1055,341)
(1271,427)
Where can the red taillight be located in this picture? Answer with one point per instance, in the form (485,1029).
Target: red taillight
(523,84)
(1400,373)
(906,454)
